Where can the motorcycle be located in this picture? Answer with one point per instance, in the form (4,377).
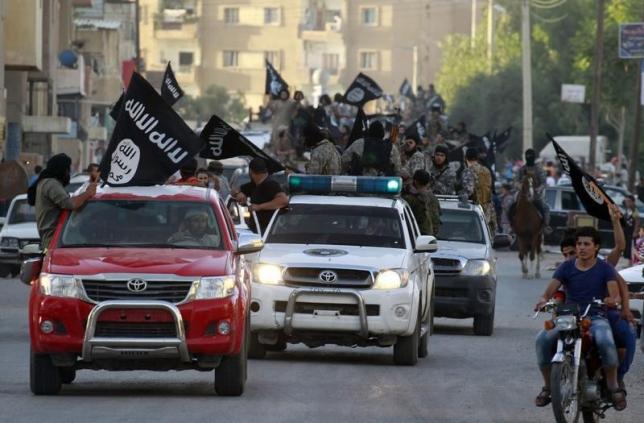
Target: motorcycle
(577,383)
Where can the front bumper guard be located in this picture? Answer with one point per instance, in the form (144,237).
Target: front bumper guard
(131,347)
(292,299)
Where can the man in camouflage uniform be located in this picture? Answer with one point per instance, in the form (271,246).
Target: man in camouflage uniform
(437,124)
(477,186)
(412,158)
(442,175)
(423,203)
(325,159)
(538,185)
(372,155)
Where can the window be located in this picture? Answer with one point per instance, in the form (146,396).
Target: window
(551,198)
(331,62)
(569,200)
(369,16)
(231,59)
(271,15)
(459,225)
(273,57)
(22,212)
(368,60)
(186,60)
(231,15)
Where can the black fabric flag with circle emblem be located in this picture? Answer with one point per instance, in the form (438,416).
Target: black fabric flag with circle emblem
(362,90)
(360,125)
(170,89)
(406,90)
(274,82)
(417,129)
(591,195)
(150,140)
(116,108)
(223,142)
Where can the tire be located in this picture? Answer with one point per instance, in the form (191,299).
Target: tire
(423,348)
(44,377)
(67,374)
(588,416)
(484,325)
(560,375)
(5,270)
(406,348)
(256,350)
(15,271)
(230,375)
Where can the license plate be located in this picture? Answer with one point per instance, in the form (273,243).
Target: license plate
(326,290)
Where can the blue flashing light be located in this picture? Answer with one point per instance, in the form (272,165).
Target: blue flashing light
(321,184)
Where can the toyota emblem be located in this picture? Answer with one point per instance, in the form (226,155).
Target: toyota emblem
(137,285)
(328,276)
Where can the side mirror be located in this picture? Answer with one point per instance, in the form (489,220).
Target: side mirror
(501,241)
(30,251)
(30,269)
(426,244)
(246,245)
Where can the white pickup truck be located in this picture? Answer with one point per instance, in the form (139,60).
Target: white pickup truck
(342,267)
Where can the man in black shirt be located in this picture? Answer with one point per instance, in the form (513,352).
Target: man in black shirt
(266,195)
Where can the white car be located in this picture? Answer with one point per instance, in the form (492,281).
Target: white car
(634,277)
(18,231)
(344,269)
(76,182)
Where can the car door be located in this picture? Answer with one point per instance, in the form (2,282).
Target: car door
(419,261)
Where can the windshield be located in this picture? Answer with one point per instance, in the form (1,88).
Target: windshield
(461,225)
(22,212)
(142,223)
(338,225)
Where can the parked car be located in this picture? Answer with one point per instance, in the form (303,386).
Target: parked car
(465,266)
(19,230)
(127,284)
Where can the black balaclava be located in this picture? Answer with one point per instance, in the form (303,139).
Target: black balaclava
(530,157)
(58,167)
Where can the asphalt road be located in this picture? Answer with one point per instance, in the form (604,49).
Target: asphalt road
(464,379)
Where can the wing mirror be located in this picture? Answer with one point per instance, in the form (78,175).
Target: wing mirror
(426,244)
(249,244)
(30,269)
(501,241)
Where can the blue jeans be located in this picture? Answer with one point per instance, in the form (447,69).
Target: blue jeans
(546,343)
(625,337)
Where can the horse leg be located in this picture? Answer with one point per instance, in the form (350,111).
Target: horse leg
(537,247)
(523,257)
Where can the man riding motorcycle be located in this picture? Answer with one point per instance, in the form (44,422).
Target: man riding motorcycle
(538,183)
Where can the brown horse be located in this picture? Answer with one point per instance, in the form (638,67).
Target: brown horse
(528,226)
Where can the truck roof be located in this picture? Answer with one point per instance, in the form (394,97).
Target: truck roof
(345,200)
(176,192)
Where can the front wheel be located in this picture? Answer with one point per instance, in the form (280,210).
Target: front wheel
(230,375)
(484,325)
(406,348)
(564,392)
(44,377)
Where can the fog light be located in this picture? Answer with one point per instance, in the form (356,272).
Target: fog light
(254,307)
(47,326)
(400,311)
(223,327)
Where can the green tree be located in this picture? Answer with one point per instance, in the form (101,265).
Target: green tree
(215,101)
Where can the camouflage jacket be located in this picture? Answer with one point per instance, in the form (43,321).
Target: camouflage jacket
(469,179)
(443,179)
(483,187)
(325,160)
(415,162)
(426,210)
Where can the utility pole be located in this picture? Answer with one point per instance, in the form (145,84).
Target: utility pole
(634,150)
(137,18)
(473,26)
(490,34)
(597,82)
(527,75)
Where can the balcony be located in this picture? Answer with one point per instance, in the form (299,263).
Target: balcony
(176,24)
(330,33)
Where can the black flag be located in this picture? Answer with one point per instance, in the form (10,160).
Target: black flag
(224,142)
(591,195)
(417,129)
(406,89)
(170,89)
(150,141)
(116,108)
(362,90)
(360,125)
(274,81)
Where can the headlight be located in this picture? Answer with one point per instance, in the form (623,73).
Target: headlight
(477,268)
(269,274)
(60,285)
(565,322)
(391,279)
(212,287)
(9,242)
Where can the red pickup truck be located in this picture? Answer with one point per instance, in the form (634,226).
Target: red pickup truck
(141,278)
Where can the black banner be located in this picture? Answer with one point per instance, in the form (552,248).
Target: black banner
(224,142)
(116,108)
(591,195)
(406,89)
(170,89)
(150,141)
(274,82)
(360,125)
(417,129)
(362,90)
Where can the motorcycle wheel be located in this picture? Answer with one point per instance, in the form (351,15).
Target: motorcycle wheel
(563,391)
(588,416)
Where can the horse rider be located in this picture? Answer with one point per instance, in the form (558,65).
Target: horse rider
(372,155)
(443,176)
(477,186)
(538,176)
(325,159)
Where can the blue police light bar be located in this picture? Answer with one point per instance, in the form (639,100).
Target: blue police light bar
(320,184)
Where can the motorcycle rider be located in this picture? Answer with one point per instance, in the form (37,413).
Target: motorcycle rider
(584,279)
